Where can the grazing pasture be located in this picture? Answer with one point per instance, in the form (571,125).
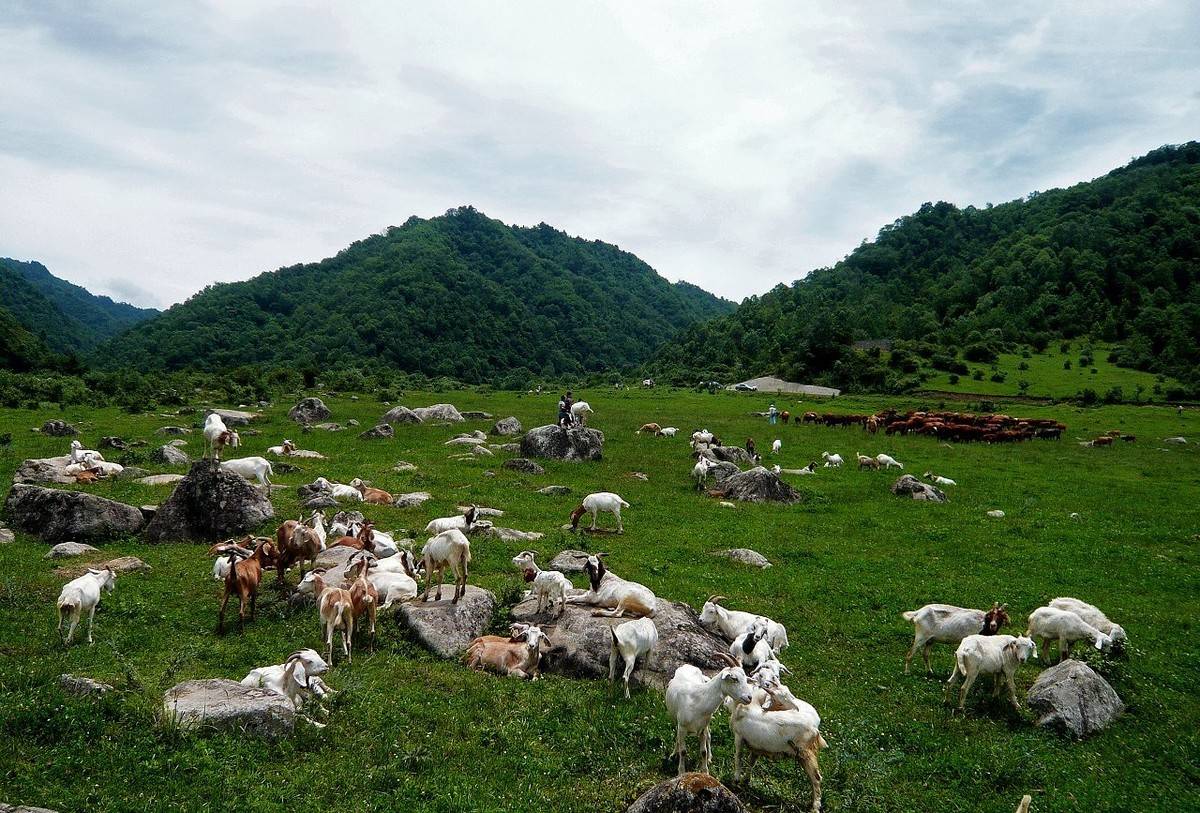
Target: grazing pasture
(407,730)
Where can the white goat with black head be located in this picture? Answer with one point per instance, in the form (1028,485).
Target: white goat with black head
(607,589)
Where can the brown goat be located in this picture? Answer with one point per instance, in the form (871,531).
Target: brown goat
(242,581)
(363,595)
(652,428)
(364,541)
(303,545)
(336,609)
(375,496)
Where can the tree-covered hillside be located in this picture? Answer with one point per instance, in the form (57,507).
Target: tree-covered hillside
(70,319)
(20,350)
(459,295)
(1116,259)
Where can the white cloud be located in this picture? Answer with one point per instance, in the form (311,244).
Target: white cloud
(733,145)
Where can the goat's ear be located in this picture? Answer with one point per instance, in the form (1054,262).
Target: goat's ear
(1004,606)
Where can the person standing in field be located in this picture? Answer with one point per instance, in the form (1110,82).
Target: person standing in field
(772,414)
(564,410)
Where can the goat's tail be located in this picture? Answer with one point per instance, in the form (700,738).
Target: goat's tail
(612,631)
(624,504)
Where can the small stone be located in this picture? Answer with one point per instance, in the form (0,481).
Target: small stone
(403,466)
(352,422)
(6,536)
(507,427)
(745,556)
(637,475)
(380,432)
(160,479)
(75,684)
(556,491)
(996,514)
(65,550)
(58,429)
(475,415)
(309,411)
(523,465)
(413,499)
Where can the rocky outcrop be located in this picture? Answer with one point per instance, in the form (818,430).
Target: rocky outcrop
(309,411)
(224,705)
(400,414)
(170,455)
(209,504)
(507,427)
(414,499)
(556,443)
(910,486)
(234,417)
(447,629)
(44,470)
(523,465)
(745,556)
(66,550)
(379,432)
(1072,699)
(58,429)
(690,793)
(439,412)
(62,516)
(758,485)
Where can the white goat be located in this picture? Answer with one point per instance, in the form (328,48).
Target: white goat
(776,446)
(630,640)
(997,655)
(887,461)
(339,491)
(550,586)
(78,453)
(335,607)
(778,734)
(580,412)
(90,461)
(751,648)
(283,450)
(83,595)
(597,502)
(449,549)
(938,479)
(947,624)
(700,472)
(1049,624)
(251,468)
(702,436)
(832,460)
(693,698)
(607,589)
(669,431)
(298,678)
(217,435)
(465,522)
(1092,615)
(732,623)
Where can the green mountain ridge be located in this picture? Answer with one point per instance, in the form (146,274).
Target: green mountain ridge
(460,295)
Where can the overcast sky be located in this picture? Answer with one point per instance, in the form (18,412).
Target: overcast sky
(148,149)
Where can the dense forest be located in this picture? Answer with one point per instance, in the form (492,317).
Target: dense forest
(67,318)
(459,295)
(1116,260)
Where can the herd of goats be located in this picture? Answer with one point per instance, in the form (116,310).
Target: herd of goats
(766,718)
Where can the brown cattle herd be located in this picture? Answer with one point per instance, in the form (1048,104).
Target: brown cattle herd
(955,426)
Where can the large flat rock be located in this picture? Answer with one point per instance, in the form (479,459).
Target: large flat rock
(1071,698)
(44,470)
(556,443)
(224,705)
(70,516)
(236,417)
(447,629)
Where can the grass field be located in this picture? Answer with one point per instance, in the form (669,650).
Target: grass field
(1048,379)
(410,731)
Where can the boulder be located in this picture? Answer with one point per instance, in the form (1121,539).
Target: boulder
(555,442)
(113,443)
(414,499)
(6,536)
(1071,698)
(234,417)
(160,479)
(403,466)
(379,432)
(209,504)
(122,564)
(507,427)
(58,429)
(690,793)
(568,561)
(720,471)
(579,641)
(76,684)
(62,516)
(400,414)
(65,550)
(758,485)
(476,415)
(447,629)
(172,430)
(745,556)
(911,486)
(730,454)
(439,412)
(555,491)
(310,491)
(44,470)
(226,705)
(481,510)
(170,456)
(320,501)
(7,808)
(523,465)
(309,411)
(131,473)
(510,534)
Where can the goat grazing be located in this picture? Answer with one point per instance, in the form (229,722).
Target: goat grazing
(652,428)
(1049,624)
(692,699)
(242,581)
(83,595)
(580,412)
(519,656)
(549,586)
(363,595)
(449,549)
(732,623)
(947,624)
(778,733)
(594,504)
(1091,615)
(669,431)
(607,589)
(776,446)
(887,461)
(997,655)
(865,462)
(630,640)
(251,468)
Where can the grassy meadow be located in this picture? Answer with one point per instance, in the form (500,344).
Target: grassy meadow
(408,730)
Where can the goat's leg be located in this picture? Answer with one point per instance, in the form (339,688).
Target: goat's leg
(91,622)
(595,515)
(348,639)
(966,687)
(680,748)
(737,758)
(629,664)
(912,650)
(241,612)
(1064,649)
(808,759)
(925,654)
(329,643)
(60,624)
(612,663)
(1012,691)
(954,673)
(253,604)
(221,613)
(705,748)
(620,527)
(750,766)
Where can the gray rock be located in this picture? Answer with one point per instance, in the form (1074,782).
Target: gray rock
(507,427)
(403,466)
(439,412)
(120,565)
(523,465)
(62,516)
(132,473)
(329,427)
(320,501)
(148,511)
(580,641)
(76,684)
(58,429)
(721,471)
(745,556)
(225,705)
(44,470)
(556,491)
(551,441)
(414,499)
(178,443)
(353,422)
(400,414)
(234,417)
(7,808)
(914,488)
(447,629)
(1073,699)
(730,454)
(511,448)
(758,485)
(475,415)
(509,534)
(170,456)
(65,550)
(172,430)
(380,432)
(6,536)
(690,793)
(638,475)
(482,510)
(160,479)
(113,443)
(309,411)
(1177,440)
(209,504)
(568,561)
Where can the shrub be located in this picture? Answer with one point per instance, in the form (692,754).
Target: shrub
(998,377)
(982,353)
(1114,396)
(953,378)
(977,375)
(1023,366)
(1088,396)
(1067,364)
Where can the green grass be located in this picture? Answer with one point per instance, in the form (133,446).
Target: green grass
(1048,379)
(409,730)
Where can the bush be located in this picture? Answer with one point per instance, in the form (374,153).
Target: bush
(1023,366)
(1114,396)
(1064,348)
(1067,364)
(953,378)
(982,353)
(998,377)
(1088,396)
(977,375)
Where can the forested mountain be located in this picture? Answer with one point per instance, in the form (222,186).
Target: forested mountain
(20,350)
(68,318)
(1116,259)
(459,295)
